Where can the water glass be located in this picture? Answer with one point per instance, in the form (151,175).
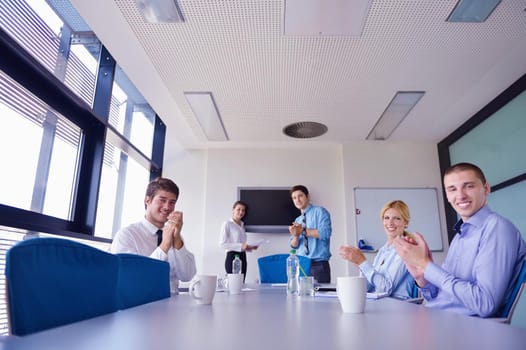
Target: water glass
(306,286)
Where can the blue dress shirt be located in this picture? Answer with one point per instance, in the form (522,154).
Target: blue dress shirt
(319,248)
(482,263)
(388,274)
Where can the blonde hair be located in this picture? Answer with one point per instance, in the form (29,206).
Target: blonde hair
(399,206)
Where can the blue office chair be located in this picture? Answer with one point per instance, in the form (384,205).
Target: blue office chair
(273,269)
(52,282)
(141,280)
(506,314)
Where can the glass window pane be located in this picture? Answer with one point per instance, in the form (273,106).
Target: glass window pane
(81,72)
(40,149)
(61,182)
(68,50)
(121,195)
(131,115)
(511,202)
(25,157)
(496,145)
(23,21)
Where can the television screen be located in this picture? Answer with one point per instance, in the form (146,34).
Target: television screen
(270,209)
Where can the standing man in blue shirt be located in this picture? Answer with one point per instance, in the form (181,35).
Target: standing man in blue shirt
(484,258)
(311,234)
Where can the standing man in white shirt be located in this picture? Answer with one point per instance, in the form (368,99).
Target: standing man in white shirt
(158,234)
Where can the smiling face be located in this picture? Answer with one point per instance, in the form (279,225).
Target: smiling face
(159,207)
(300,199)
(238,212)
(466,192)
(394,224)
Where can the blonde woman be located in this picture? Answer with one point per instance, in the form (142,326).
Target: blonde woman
(388,272)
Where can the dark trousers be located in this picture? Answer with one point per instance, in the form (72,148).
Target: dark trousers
(321,270)
(230,257)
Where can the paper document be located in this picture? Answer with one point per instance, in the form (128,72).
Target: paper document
(260,242)
(326,294)
(376,295)
(335,295)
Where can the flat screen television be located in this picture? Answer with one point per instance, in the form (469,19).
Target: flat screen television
(270,209)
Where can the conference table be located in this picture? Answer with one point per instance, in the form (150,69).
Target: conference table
(264,317)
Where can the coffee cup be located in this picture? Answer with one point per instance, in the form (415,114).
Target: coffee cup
(203,288)
(352,293)
(235,282)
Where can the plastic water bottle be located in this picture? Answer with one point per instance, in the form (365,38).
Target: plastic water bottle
(236,264)
(293,273)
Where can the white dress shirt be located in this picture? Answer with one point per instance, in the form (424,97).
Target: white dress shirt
(233,236)
(141,238)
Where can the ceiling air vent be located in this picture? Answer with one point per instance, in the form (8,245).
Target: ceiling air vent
(305,130)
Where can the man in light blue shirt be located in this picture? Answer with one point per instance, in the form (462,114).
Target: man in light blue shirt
(484,258)
(311,234)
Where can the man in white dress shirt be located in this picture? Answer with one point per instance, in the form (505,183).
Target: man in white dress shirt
(158,234)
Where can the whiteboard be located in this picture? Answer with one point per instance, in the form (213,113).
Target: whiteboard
(423,208)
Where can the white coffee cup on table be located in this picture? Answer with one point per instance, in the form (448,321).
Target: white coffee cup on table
(235,282)
(352,293)
(203,288)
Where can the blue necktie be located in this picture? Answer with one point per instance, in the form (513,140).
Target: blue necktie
(457,226)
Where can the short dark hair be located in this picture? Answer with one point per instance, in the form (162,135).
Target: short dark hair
(464,167)
(161,184)
(299,188)
(240,203)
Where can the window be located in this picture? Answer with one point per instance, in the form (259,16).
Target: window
(41,148)
(63,165)
(77,151)
(122,190)
(130,114)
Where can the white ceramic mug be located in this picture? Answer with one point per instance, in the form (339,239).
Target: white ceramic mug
(203,288)
(234,283)
(352,293)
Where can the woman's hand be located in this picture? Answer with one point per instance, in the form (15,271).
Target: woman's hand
(352,254)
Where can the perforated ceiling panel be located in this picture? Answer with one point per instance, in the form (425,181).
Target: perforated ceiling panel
(263,80)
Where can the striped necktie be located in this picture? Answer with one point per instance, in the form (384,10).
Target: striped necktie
(305,239)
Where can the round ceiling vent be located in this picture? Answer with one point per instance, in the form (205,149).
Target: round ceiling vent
(305,130)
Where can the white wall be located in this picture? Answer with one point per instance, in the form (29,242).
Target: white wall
(208,180)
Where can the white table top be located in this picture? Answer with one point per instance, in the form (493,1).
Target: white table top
(267,318)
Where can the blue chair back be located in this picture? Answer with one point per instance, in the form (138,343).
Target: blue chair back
(141,280)
(509,307)
(273,269)
(52,282)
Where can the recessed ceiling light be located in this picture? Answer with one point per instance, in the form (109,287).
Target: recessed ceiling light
(205,110)
(472,10)
(399,107)
(305,130)
(160,11)
(325,17)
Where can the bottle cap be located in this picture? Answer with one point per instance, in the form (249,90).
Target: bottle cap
(293,251)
